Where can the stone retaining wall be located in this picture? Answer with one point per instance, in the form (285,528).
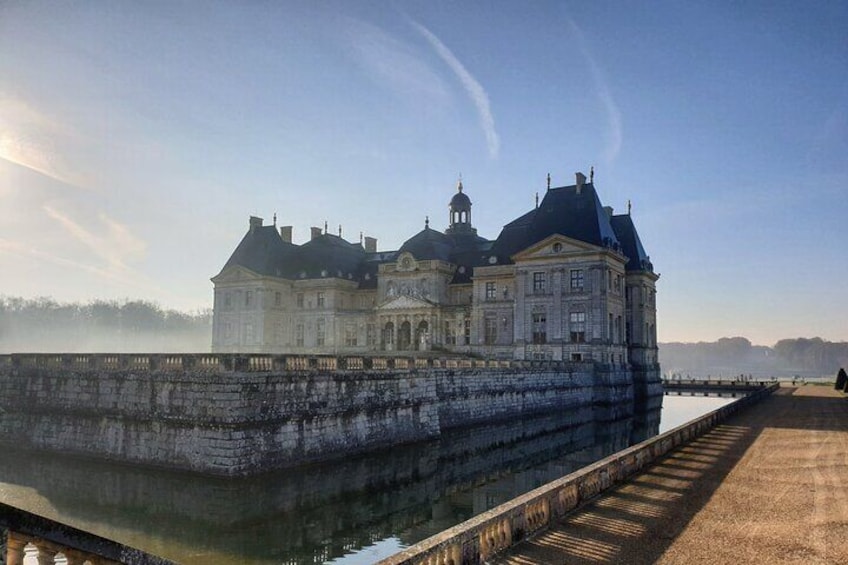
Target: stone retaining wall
(237,415)
(477,539)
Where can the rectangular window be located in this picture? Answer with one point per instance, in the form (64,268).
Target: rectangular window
(300,300)
(467,331)
(278,299)
(320,332)
(228,301)
(350,335)
(538,283)
(540,328)
(450,335)
(248,299)
(577,323)
(610,333)
(370,335)
(490,330)
(577,280)
(618,284)
(298,335)
(491,291)
(320,300)
(577,357)
(248,333)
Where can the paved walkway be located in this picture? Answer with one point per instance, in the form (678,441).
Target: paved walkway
(769,486)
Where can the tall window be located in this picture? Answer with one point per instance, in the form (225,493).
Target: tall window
(320,300)
(370,335)
(350,335)
(617,286)
(466,331)
(320,332)
(610,330)
(618,329)
(577,280)
(228,301)
(538,282)
(491,291)
(577,327)
(490,330)
(248,299)
(278,299)
(298,335)
(248,333)
(450,334)
(300,300)
(540,328)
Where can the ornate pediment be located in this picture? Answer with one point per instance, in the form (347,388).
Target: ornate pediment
(406,303)
(234,274)
(554,246)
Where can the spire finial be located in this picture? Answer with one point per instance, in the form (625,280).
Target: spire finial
(549,181)
(325,227)
(340,230)
(591,173)
(360,238)
(275,219)
(426,222)
(459,184)
(537,200)
(628,206)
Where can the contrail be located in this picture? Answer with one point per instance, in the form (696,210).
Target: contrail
(474,89)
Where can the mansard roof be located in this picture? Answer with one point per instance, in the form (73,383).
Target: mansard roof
(429,244)
(565,211)
(263,251)
(631,245)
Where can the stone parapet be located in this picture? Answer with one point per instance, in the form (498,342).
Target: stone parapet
(491,532)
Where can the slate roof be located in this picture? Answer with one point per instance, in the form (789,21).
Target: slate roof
(631,245)
(562,211)
(263,251)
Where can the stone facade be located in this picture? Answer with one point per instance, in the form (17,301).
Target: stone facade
(568,280)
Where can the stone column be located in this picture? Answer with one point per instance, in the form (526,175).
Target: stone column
(14,549)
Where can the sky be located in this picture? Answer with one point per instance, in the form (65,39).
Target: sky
(136,139)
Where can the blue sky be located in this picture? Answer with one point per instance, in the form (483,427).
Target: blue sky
(137,138)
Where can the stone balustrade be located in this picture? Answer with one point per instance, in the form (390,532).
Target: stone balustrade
(477,539)
(258,363)
(23,533)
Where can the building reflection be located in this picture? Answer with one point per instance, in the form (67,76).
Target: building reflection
(316,513)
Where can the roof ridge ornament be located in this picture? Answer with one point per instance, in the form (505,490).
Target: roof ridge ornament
(549,181)
(592,174)
(426,222)
(628,206)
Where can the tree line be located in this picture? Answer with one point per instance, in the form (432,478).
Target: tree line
(736,355)
(45,325)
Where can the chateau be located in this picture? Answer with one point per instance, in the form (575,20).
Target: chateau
(568,280)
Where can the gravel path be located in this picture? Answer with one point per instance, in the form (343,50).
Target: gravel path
(769,486)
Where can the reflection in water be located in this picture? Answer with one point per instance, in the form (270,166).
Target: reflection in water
(373,503)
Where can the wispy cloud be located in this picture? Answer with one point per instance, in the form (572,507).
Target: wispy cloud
(615,138)
(394,63)
(29,138)
(115,248)
(472,87)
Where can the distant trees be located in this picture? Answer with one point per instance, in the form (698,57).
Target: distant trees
(43,324)
(736,355)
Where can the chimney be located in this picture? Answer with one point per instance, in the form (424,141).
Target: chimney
(609,211)
(315,232)
(286,233)
(255,222)
(580,181)
(370,244)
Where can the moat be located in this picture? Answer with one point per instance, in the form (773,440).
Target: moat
(354,511)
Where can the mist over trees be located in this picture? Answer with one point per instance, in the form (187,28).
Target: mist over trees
(132,326)
(733,356)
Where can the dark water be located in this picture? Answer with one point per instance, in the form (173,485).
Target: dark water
(358,510)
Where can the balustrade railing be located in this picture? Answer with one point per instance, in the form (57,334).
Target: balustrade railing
(23,533)
(257,363)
